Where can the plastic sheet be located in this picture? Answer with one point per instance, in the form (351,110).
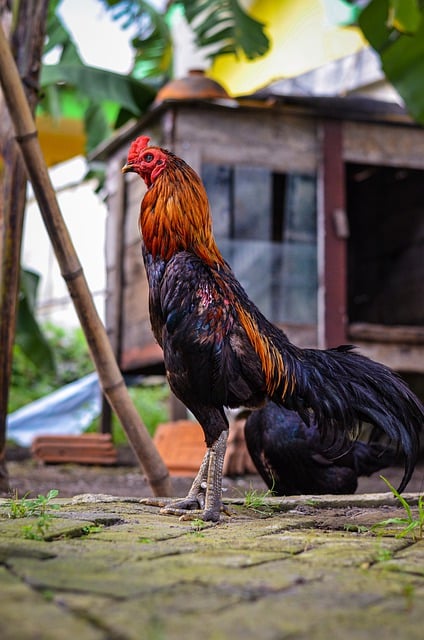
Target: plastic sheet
(66,411)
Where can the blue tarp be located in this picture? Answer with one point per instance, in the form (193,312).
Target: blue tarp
(67,411)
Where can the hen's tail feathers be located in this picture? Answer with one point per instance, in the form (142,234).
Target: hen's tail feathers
(345,389)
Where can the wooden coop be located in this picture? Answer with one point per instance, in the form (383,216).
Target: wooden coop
(318,205)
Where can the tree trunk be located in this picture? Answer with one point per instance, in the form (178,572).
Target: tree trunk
(27,40)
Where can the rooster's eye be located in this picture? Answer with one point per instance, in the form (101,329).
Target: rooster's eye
(148,157)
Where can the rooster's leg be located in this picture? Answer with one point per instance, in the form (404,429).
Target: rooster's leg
(213,500)
(195,499)
(204,498)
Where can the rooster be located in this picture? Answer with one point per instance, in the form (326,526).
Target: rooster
(220,350)
(292,458)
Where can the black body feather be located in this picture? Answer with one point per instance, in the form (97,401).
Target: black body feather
(293,458)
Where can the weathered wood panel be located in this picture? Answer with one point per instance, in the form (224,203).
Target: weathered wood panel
(383,144)
(399,357)
(383,333)
(262,138)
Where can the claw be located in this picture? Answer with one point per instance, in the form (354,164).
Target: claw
(155,502)
(186,504)
(187,508)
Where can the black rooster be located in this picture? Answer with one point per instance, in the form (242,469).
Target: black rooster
(220,351)
(293,459)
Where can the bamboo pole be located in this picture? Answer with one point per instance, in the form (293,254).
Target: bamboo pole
(110,377)
(27,40)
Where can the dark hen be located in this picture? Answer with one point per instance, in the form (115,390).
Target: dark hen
(292,457)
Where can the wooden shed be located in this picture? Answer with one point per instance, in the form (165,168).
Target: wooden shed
(318,205)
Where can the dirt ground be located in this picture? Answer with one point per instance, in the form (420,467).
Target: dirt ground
(29,476)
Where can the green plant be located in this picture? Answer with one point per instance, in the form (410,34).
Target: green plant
(256,500)
(72,361)
(38,508)
(92,528)
(355,528)
(383,554)
(198,524)
(151,403)
(18,507)
(408,593)
(411,524)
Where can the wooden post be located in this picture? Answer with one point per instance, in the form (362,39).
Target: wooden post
(110,376)
(115,336)
(332,234)
(28,42)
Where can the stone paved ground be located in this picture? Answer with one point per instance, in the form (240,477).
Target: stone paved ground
(110,568)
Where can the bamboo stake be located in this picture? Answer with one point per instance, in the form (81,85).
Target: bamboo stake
(110,377)
(27,39)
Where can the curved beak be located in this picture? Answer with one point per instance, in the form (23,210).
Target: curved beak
(127,168)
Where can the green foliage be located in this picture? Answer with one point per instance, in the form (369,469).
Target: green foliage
(256,500)
(103,99)
(404,15)
(38,508)
(72,359)
(395,29)
(29,335)
(355,528)
(410,524)
(92,528)
(197,525)
(106,100)
(72,356)
(99,85)
(383,554)
(222,26)
(151,403)
(152,41)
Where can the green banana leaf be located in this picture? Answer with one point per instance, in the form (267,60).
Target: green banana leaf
(224,27)
(395,29)
(29,335)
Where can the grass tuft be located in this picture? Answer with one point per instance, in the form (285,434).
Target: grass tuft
(411,525)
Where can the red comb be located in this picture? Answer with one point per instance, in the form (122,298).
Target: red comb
(136,147)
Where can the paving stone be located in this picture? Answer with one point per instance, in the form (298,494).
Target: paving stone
(116,569)
(30,615)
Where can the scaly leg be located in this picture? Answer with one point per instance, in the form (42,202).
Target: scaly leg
(213,503)
(204,500)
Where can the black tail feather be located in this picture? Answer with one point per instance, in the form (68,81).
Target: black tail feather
(344,389)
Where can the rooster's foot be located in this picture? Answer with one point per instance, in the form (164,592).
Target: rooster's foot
(190,508)
(168,505)
(187,510)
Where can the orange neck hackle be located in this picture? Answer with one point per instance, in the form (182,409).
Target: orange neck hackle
(175,215)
